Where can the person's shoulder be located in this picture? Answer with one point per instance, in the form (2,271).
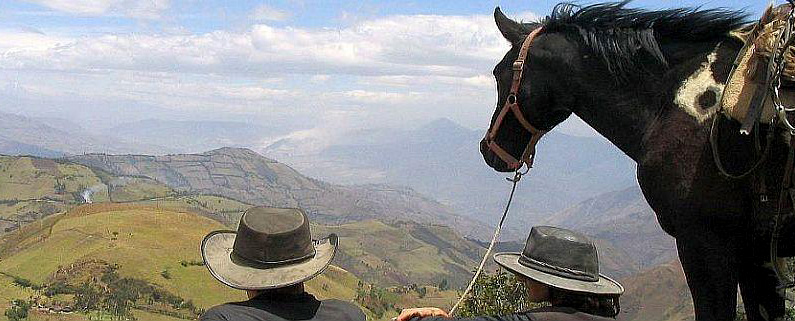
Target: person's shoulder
(344,309)
(562,313)
(216,313)
(244,310)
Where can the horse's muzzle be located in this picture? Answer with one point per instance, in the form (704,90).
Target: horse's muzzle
(492,159)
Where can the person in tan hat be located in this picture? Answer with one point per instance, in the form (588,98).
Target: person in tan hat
(270,256)
(558,266)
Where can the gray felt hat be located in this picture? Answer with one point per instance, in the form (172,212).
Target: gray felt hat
(272,248)
(562,259)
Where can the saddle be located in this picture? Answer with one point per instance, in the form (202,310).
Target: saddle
(748,77)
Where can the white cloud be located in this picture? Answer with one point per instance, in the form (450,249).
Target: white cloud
(265,12)
(482,81)
(405,69)
(319,78)
(455,46)
(142,9)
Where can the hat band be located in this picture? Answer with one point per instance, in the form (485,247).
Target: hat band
(557,270)
(237,258)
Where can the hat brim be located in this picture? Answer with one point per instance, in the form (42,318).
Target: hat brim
(216,251)
(605,285)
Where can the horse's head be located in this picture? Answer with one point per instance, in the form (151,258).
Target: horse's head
(540,100)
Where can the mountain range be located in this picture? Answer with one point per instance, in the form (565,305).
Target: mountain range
(625,220)
(55,137)
(47,137)
(441,159)
(244,175)
(194,136)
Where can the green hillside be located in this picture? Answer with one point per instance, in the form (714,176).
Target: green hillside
(32,188)
(31,178)
(144,243)
(386,254)
(154,250)
(403,253)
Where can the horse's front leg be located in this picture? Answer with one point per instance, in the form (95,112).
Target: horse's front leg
(758,280)
(711,267)
(758,284)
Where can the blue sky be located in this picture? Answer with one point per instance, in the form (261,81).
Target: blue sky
(321,67)
(204,16)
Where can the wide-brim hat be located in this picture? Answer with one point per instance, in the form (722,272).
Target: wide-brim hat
(561,259)
(272,248)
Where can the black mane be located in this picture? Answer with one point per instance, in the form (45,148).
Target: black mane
(617,33)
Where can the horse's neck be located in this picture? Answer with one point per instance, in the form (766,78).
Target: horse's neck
(624,113)
(621,116)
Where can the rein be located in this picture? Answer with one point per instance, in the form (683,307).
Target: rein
(511,104)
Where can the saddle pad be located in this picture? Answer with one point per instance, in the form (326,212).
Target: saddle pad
(745,80)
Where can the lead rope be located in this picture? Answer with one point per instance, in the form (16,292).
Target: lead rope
(516,177)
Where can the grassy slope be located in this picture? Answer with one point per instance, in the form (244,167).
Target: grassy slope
(149,241)
(35,178)
(38,250)
(657,294)
(402,254)
(151,217)
(86,232)
(31,183)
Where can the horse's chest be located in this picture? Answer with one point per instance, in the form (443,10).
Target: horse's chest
(677,173)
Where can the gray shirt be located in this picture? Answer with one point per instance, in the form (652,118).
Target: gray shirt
(302,306)
(540,314)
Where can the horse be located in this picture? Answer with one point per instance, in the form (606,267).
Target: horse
(650,82)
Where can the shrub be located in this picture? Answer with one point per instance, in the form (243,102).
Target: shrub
(25,283)
(499,293)
(18,310)
(87,297)
(58,288)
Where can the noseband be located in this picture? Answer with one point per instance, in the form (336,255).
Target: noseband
(512,104)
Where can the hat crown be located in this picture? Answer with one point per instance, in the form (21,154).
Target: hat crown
(267,235)
(561,252)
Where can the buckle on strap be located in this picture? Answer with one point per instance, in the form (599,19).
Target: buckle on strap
(518,65)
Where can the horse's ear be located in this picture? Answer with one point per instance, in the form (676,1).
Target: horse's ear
(511,30)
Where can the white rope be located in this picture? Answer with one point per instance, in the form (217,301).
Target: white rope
(494,238)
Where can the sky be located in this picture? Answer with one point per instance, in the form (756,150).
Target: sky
(299,64)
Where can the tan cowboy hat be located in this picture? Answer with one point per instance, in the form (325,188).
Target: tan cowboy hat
(562,259)
(272,248)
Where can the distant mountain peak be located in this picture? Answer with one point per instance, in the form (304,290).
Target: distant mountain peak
(443,123)
(442,127)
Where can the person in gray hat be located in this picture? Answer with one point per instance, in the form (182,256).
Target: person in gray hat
(558,266)
(270,256)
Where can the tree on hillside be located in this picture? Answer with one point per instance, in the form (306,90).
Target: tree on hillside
(18,310)
(497,293)
(60,187)
(444,286)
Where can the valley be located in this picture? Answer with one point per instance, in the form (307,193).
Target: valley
(100,213)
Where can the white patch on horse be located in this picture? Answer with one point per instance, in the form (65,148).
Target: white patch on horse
(700,83)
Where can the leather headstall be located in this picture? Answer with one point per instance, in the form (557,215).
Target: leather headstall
(512,105)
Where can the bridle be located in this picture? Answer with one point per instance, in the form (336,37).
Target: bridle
(512,104)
